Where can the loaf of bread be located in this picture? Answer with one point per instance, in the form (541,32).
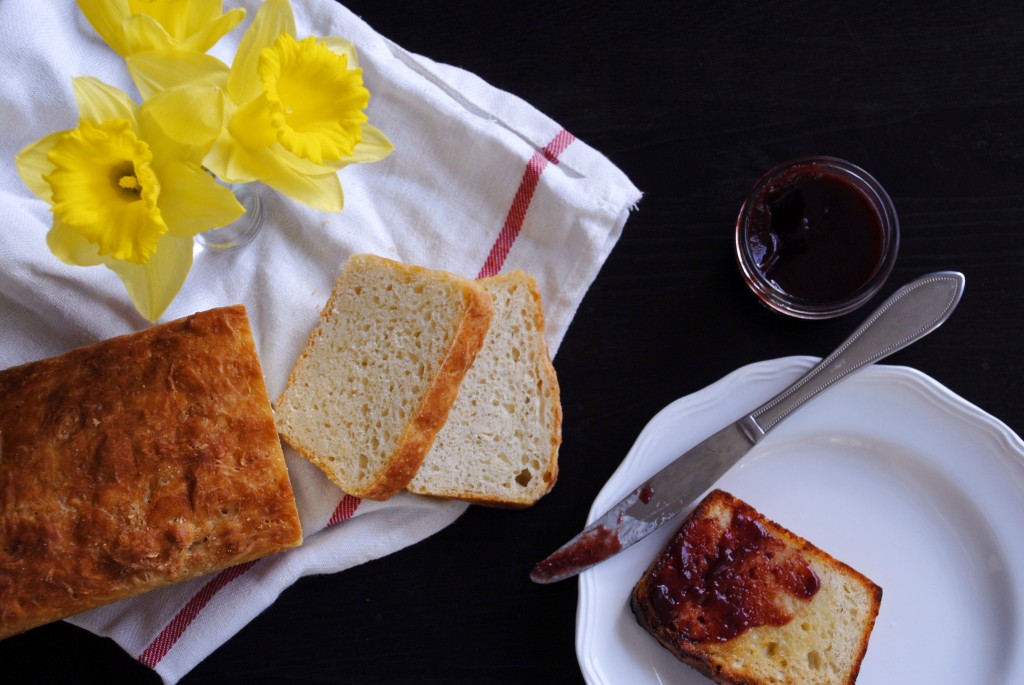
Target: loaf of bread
(134,463)
(500,444)
(381,371)
(746,602)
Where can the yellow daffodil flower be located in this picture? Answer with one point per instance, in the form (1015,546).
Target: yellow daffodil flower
(133,26)
(126,187)
(294,111)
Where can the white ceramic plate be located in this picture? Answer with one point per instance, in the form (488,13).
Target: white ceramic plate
(888,471)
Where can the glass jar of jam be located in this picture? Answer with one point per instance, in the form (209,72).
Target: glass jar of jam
(816,237)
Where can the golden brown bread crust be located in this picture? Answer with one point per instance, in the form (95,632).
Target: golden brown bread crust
(550,474)
(433,411)
(547,371)
(728,662)
(137,462)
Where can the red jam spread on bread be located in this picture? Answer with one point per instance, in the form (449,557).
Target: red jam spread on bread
(717,581)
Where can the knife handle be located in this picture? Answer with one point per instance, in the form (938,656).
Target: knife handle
(914,311)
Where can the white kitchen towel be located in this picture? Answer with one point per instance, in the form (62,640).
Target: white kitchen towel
(479,182)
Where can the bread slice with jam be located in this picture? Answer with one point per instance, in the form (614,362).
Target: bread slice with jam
(746,602)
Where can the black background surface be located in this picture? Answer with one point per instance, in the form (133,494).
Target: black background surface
(693,101)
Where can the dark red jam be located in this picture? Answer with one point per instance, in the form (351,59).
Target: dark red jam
(815,234)
(595,546)
(715,582)
(646,493)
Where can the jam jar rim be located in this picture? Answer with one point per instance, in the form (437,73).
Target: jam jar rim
(775,298)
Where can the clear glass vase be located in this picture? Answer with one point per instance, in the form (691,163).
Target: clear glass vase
(243,230)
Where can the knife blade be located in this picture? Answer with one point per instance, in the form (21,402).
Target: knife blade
(911,313)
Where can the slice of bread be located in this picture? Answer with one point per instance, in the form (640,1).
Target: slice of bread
(500,444)
(746,602)
(380,372)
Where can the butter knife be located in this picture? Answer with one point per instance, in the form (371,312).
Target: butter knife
(912,312)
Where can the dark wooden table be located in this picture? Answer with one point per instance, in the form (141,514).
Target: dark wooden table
(693,101)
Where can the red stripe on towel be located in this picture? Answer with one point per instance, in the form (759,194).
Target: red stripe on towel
(521,201)
(174,630)
(345,510)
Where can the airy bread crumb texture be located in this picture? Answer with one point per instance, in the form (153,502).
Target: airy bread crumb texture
(378,375)
(500,444)
(822,645)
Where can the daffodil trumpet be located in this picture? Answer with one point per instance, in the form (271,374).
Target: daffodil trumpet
(294,110)
(127,191)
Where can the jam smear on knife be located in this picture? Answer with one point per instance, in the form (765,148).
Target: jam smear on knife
(595,546)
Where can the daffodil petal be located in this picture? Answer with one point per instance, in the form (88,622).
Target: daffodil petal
(272,19)
(372,147)
(131,26)
(170,14)
(250,124)
(191,201)
(206,35)
(181,123)
(322,193)
(238,159)
(69,245)
(231,162)
(199,13)
(33,165)
(99,102)
(300,165)
(143,33)
(340,46)
(107,17)
(153,285)
(158,70)
(318,191)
